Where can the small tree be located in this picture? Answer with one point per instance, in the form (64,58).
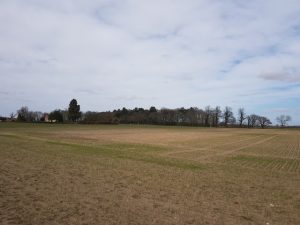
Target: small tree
(264,121)
(228,116)
(283,119)
(23,114)
(207,116)
(252,120)
(217,113)
(12,116)
(74,111)
(152,109)
(242,116)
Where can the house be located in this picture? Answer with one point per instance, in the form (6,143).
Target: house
(45,117)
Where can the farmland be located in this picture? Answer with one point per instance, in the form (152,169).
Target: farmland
(125,174)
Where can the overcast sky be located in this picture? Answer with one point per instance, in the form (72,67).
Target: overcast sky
(111,54)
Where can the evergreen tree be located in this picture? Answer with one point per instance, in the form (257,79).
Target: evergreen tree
(74,111)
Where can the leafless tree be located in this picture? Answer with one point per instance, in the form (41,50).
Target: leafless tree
(248,121)
(217,113)
(252,120)
(228,116)
(207,116)
(241,116)
(283,119)
(23,114)
(263,121)
(12,116)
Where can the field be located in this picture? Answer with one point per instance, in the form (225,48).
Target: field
(123,174)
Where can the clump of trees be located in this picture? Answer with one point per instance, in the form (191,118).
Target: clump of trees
(193,116)
(99,117)
(25,115)
(73,114)
(209,117)
(56,116)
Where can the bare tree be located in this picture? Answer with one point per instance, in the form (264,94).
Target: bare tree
(207,116)
(37,116)
(12,115)
(283,119)
(248,121)
(241,116)
(217,113)
(263,121)
(252,120)
(228,116)
(23,114)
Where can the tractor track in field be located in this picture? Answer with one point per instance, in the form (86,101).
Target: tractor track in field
(195,149)
(246,146)
(189,150)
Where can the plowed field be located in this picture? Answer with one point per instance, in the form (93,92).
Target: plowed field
(123,174)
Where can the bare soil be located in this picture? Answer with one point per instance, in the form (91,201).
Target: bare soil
(78,174)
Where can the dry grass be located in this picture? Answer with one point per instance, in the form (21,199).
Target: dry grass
(72,174)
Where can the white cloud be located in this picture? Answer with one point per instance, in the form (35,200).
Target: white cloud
(131,53)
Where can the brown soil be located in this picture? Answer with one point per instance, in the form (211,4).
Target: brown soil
(147,175)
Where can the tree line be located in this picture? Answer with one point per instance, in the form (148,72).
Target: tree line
(72,114)
(193,116)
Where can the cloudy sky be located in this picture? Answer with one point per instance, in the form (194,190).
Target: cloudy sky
(168,53)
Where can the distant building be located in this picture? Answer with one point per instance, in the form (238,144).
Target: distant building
(45,117)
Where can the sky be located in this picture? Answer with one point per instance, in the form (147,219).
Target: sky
(110,54)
